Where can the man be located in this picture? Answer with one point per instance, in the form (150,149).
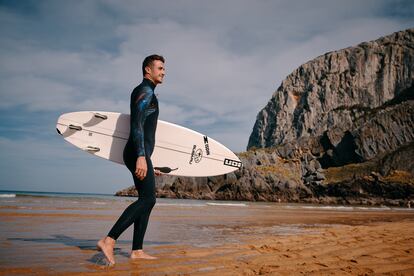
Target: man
(137,153)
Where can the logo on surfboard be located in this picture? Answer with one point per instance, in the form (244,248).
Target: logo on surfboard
(232,163)
(206,145)
(196,155)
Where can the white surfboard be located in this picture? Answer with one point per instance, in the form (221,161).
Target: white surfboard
(183,151)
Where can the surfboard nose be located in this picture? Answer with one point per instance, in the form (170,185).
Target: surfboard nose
(61,129)
(60,126)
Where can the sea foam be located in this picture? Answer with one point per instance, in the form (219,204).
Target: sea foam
(227,204)
(7,195)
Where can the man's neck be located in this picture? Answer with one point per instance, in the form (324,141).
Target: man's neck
(147,78)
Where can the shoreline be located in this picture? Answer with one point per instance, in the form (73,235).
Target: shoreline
(358,201)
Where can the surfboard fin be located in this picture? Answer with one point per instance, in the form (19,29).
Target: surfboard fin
(92,149)
(79,128)
(100,116)
(165,169)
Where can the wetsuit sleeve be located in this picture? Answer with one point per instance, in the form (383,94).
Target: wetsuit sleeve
(138,115)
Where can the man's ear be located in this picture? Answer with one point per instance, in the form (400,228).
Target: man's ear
(147,69)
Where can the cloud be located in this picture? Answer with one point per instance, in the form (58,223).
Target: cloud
(209,65)
(35,93)
(45,80)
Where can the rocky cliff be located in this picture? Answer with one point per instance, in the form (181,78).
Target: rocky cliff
(339,129)
(335,89)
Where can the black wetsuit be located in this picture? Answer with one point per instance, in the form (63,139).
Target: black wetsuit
(144,116)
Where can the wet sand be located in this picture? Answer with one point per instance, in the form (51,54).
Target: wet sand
(57,236)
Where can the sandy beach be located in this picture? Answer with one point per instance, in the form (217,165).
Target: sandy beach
(48,235)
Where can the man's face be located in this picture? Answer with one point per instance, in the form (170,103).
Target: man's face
(156,71)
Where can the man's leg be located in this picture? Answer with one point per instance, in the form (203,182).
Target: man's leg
(146,191)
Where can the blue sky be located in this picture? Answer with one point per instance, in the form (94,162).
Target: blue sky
(224,60)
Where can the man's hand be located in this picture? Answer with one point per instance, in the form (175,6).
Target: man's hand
(141,168)
(157,172)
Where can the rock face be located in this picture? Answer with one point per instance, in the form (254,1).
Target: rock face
(375,133)
(335,89)
(340,129)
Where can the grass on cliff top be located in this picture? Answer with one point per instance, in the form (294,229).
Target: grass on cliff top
(351,171)
(399,177)
(347,172)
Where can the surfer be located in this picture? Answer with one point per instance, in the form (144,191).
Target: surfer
(137,154)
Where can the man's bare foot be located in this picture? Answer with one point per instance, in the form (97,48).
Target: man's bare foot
(139,254)
(106,245)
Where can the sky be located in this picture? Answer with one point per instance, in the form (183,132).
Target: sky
(224,60)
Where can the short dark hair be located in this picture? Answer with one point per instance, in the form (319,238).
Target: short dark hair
(148,61)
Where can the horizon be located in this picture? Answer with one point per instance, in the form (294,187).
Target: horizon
(52,192)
